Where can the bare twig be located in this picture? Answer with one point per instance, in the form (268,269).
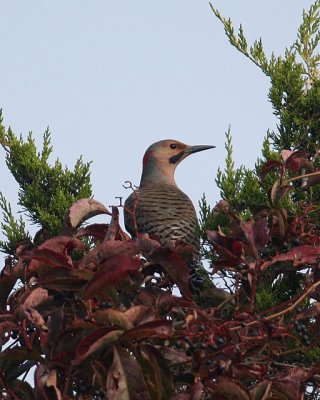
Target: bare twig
(132,212)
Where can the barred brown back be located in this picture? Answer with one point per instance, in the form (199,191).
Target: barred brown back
(165,211)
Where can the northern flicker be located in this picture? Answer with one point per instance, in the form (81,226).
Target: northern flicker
(160,207)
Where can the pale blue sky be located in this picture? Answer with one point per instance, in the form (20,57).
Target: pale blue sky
(111,77)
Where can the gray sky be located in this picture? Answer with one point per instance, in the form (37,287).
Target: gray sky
(111,77)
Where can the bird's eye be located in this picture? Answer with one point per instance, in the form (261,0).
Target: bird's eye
(173,146)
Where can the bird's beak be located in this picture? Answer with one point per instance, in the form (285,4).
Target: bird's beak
(195,149)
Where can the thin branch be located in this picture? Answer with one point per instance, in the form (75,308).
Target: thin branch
(283,312)
(133,211)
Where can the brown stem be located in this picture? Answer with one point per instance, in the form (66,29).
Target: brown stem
(303,176)
(285,311)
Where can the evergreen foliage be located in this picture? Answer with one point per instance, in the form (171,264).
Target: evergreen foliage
(295,96)
(45,191)
(295,82)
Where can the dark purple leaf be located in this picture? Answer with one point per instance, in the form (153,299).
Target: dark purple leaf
(161,329)
(95,341)
(61,278)
(299,255)
(21,354)
(257,235)
(115,231)
(278,191)
(111,272)
(109,249)
(229,249)
(97,231)
(125,380)
(176,268)
(156,372)
(230,389)
(54,252)
(298,160)
(269,166)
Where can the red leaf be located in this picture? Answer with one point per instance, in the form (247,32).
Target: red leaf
(228,248)
(146,244)
(237,248)
(125,380)
(298,160)
(109,249)
(156,372)
(94,341)
(261,233)
(54,252)
(299,255)
(82,210)
(61,278)
(97,231)
(176,268)
(114,227)
(111,272)
(160,329)
(257,234)
(278,191)
(269,166)
(229,389)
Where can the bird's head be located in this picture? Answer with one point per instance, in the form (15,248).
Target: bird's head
(161,159)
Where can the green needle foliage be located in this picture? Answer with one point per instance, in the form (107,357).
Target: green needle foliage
(295,96)
(45,191)
(295,85)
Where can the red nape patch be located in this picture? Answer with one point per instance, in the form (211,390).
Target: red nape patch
(146,157)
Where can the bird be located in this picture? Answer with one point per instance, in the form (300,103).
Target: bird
(158,207)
